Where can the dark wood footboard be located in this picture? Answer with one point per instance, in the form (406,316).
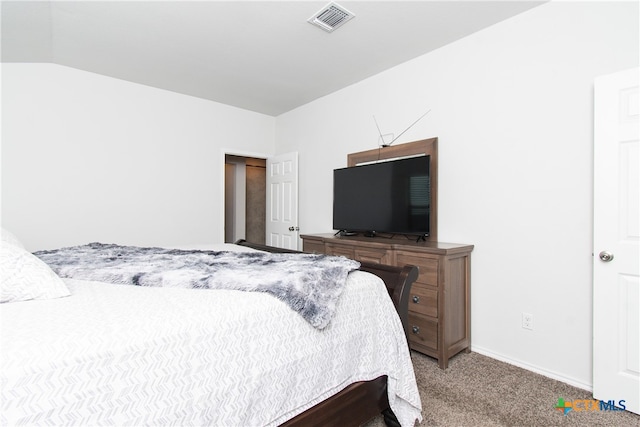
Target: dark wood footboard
(398,281)
(358,402)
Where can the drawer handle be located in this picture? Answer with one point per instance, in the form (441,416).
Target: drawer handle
(415,329)
(416,299)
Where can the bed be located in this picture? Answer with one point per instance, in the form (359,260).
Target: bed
(135,355)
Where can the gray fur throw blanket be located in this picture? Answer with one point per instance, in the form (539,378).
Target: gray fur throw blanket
(310,284)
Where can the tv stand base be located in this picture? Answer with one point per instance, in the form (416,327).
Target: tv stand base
(439,304)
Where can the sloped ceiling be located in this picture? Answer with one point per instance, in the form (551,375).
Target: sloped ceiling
(261,56)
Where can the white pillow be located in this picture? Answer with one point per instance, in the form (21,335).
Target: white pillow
(23,276)
(7,236)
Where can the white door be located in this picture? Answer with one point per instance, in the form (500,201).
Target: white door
(616,296)
(282,201)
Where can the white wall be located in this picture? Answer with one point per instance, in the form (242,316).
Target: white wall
(512,108)
(91,158)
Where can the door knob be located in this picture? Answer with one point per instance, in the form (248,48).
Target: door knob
(294,228)
(605,256)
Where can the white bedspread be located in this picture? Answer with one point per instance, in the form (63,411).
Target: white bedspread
(127,355)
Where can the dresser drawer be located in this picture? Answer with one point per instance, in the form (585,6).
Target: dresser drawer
(428,266)
(375,256)
(423,300)
(340,250)
(423,331)
(313,247)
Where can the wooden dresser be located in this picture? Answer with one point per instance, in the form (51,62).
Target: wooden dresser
(439,305)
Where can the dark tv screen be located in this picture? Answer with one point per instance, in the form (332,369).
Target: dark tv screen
(386,197)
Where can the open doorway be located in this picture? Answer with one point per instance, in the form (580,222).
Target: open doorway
(245,199)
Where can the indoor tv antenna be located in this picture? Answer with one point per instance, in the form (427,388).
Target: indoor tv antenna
(394,139)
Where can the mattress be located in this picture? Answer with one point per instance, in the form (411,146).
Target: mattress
(127,355)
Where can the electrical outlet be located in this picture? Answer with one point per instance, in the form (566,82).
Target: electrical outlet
(527,321)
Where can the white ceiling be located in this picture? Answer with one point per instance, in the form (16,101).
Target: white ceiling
(257,55)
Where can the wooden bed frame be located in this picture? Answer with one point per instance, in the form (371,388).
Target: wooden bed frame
(361,401)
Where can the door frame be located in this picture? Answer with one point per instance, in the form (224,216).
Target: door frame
(224,153)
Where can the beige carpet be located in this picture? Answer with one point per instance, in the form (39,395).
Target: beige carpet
(476,390)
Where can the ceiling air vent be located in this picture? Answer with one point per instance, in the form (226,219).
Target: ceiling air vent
(331,17)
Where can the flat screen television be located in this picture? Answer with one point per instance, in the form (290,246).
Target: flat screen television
(386,197)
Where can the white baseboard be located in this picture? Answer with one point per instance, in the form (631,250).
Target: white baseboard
(536,369)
